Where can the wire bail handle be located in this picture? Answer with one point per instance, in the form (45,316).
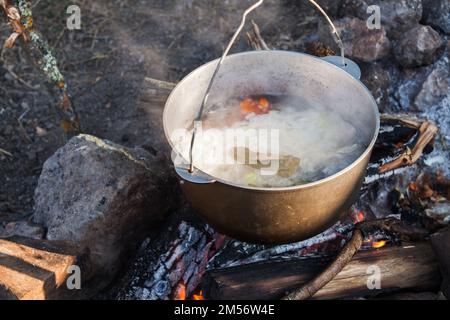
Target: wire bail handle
(198,118)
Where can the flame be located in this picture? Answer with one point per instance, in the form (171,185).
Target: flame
(358,216)
(413,186)
(198,296)
(378,244)
(180,293)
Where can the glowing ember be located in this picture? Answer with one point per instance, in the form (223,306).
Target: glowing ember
(180,292)
(378,244)
(198,296)
(358,216)
(413,186)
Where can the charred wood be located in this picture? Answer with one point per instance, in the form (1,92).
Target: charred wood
(273,279)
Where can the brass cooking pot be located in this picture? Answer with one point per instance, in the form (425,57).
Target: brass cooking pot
(279,214)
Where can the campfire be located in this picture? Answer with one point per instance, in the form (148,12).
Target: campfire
(129,223)
(385,230)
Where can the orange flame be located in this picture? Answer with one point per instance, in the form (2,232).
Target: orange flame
(358,216)
(378,244)
(361,216)
(413,186)
(180,293)
(198,296)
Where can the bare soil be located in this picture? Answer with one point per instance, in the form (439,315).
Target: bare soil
(120,43)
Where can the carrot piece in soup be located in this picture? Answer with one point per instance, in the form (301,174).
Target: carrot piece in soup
(250,105)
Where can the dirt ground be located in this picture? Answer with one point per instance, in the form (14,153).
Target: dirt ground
(120,43)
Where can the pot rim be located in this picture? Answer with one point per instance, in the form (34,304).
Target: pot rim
(295,187)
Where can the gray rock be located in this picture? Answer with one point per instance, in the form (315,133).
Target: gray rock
(435,87)
(420,46)
(102,196)
(408,85)
(360,42)
(377,80)
(397,16)
(331,7)
(23,229)
(436,13)
(422,88)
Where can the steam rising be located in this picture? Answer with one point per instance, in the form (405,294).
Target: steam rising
(311,143)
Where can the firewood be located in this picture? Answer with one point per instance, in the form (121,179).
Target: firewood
(441,245)
(347,253)
(255,40)
(40,269)
(364,228)
(427,132)
(271,280)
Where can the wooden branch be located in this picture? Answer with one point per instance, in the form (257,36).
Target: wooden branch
(364,228)
(427,133)
(271,280)
(412,123)
(311,288)
(160,84)
(20,18)
(255,39)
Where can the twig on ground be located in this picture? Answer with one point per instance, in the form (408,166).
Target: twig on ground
(20,17)
(257,32)
(3,151)
(255,39)
(22,128)
(19,79)
(160,84)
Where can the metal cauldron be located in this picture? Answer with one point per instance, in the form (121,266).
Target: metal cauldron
(275,215)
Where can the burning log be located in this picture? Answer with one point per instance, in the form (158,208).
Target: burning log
(441,245)
(362,229)
(179,268)
(347,253)
(396,132)
(271,280)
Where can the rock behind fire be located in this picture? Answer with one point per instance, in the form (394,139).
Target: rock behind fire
(102,196)
(360,42)
(420,46)
(397,16)
(436,13)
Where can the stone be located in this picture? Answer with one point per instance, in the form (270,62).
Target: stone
(420,46)
(423,88)
(331,7)
(377,80)
(39,269)
(436,13)
(360,42)
(407,85)
(22,228)
(397,16)
(434,89)
(103,196)
(440,242)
